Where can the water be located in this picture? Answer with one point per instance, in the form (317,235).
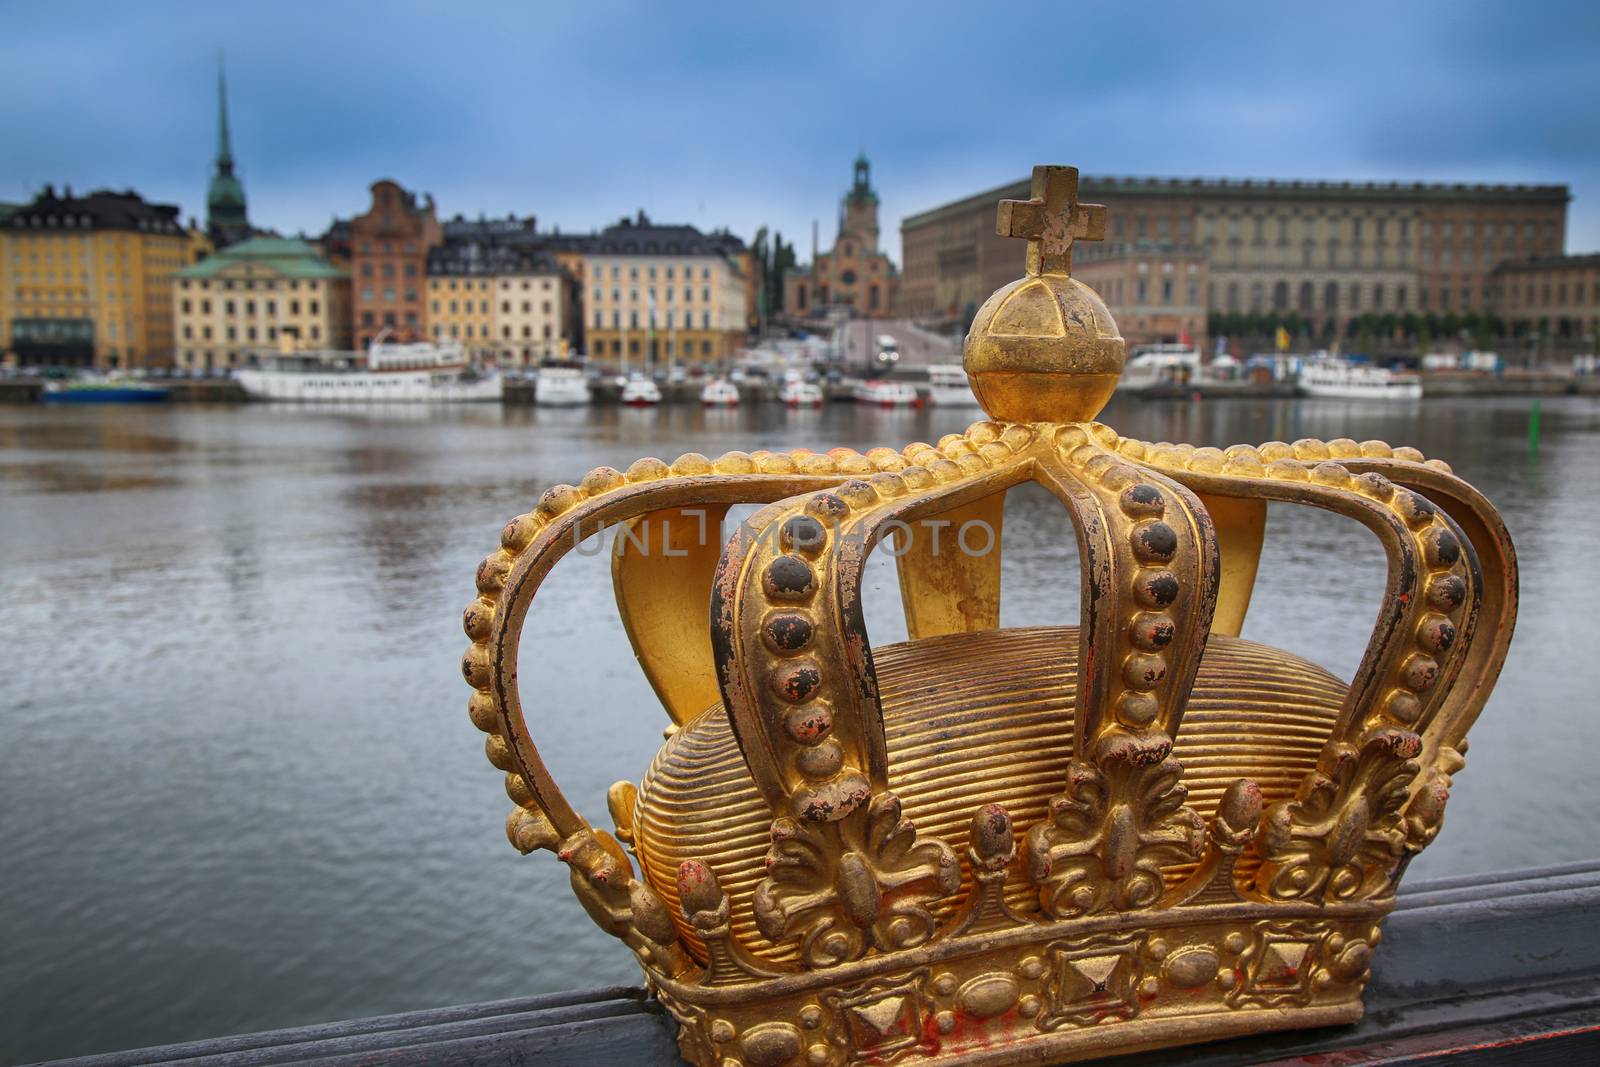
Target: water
(238,786)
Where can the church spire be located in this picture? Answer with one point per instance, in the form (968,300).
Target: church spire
(224,142)
(226,219)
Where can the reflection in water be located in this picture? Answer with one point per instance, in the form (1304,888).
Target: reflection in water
(238,787)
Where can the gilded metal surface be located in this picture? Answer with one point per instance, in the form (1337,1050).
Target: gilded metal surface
(1005,846)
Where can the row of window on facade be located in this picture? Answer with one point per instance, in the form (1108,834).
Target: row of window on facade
(1548,295)
(597,272)
(229,307)
(388,270)
(669,347)
(245,283)
(1470,230)
(1400,256)
(457,332)
(1141,291)
(481,284)
(83,259)
(1305,298)
(387,247)
(633,295)
(369,319)
(388,296)
(231,333)
(670,323)
(1448,298)
(457,307)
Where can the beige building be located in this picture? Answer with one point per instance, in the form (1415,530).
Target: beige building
(1329,251)
(265,294)
(88,281)
(533,312)
(1156,293)
(504,300)
(662,294)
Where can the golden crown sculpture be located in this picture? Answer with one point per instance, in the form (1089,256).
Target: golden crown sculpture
(987,845)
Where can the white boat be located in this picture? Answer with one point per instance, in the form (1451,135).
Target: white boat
(886,394)
(799,393)
(561,385)
(1159,364)
(1355,381)
(385,373)
(640,392)
(719,393)
(948,387)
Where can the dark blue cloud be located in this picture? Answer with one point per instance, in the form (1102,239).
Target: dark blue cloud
(746,114)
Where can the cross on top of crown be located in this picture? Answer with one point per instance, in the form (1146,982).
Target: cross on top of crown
(1052,219)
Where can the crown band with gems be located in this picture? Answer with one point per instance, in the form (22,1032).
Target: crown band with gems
(1018,845)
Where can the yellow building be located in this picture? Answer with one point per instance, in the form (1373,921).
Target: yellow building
(663,294)
(87,281)
(266,294)
(461,308)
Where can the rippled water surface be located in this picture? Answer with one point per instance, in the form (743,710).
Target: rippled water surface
(238,787)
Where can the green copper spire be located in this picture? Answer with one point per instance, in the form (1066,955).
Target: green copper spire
(224,143)
(226,219)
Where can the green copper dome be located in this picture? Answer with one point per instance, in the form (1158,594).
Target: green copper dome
(226,191)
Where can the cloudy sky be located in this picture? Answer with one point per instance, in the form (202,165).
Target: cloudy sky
(751,113)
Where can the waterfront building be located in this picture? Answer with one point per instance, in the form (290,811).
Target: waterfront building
(87,281)
(227,218)
(388,250)
(663,293)
(264,294)
(855,273)
(459,308)
(1156,291)
(1555,298)
(500,295)
(1326,251)
(534,310)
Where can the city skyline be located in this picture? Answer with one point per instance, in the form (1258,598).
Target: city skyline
(738,120)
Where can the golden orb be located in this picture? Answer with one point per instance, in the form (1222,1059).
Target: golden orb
(1044,349)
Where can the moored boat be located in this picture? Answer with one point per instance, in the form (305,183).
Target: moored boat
(719,393)
(640,392)
(386,373)
(948,386)
(1356,381)
(886,394)
(1159,365)
(104,391)
(799,393)
(561,385)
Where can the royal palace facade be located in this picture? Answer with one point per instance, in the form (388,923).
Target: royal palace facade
(1550,297)
(1327,251)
